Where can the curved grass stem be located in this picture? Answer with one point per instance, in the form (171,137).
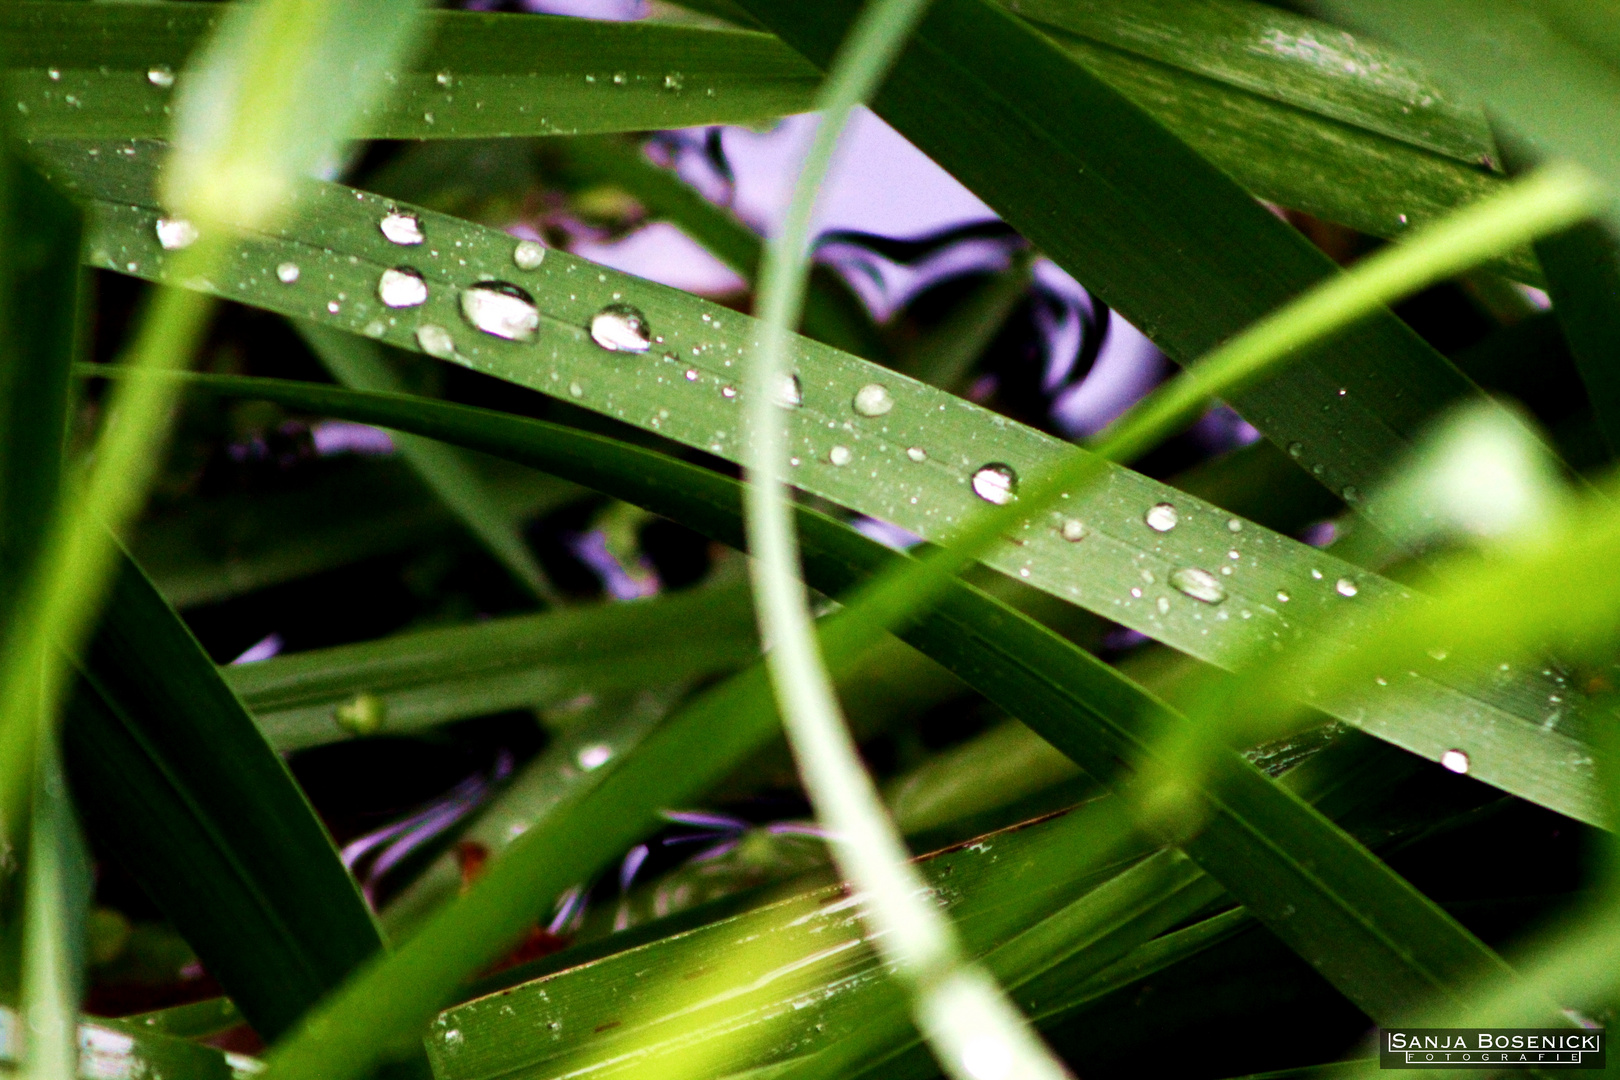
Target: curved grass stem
(974,1031)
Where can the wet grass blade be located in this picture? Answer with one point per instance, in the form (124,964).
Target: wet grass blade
(361,364)
(914,463)
(432,676)
(57,891)
(1376,938)
(172,771)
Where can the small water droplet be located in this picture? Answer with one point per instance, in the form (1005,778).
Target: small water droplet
(691,374)
(1234,525)
(436,341)
(1282,596)
(1351,494)
(333,307)
(160,76)
(442,78)
(1073,530)
(1455,760)
(528,254)
(363,714)
(453,1037)
(287,273)
(1163,604)
(996,483)
(500,309)
(621,328)
(728,392)
(840,455)
(619,78)
(53,74)
(1161,517)
(674,81)
(576,390)
(1401,218)
(175,233)
(402,229)
(1315,573)
(1345,587)
(1381,681)
(1438,654)
(1199,584)
(1295,449)
(402,287)
(1136,593)
(790,392)
(873,399)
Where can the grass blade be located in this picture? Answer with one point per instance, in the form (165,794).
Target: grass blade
(57,899)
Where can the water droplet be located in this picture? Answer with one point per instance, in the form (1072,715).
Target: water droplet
(402,229)
(453,1037)
(1401,218)
(1161,517)
(917,454)
(1438,654)
(1198,584)
(1282,596)
(691,374)
(160,76)
(1315,573)
(287,273)
(1345,587)
(674,81)
(728,392)
(1234,525)
(1163,604)
(175,233)
(873,399)
(1073,530)
(790,392)
(619,78)
(363,714)
(402,287)
(1295,449)
(1136,593)
(621,328)
(1351,495)
(1455,760)
(436,341)
(53,74)
(528,254)
(442,78)
(500,309)
(996,483)
(333,307)
(840,455)
(576,390)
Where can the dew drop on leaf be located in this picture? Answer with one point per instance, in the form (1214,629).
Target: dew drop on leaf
(674,81)
(1234,525)
(436,341)
(917,454)
(160,76)
(1282,596)
(500,309)
(1073,530)
(175,233)
(1198,584)
(1163,605)
(442,78)
(402,229)
(840,455)
(402,287)
(1295,449)
(621,328)
(287,273)
(790,394)
(528,254)
(1345,587)
(594,756)
(728,392)
(1161,517)
(996,483)
(1455,760)
(873,399)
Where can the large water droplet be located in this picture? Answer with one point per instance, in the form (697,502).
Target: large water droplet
(402,229)
(436,341)
(287,273)
(621,328)
(160,76)
(1345,587)
(402,287)
(528,255)
(1161,517)
(840,455)
(1455,760)
(873,399)
(501,309)
(175,233)
(790,392)
(996,483)
(1073,530)
(1198,584)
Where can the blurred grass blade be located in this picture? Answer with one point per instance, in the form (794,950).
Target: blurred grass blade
(358,363)
(1380,941)
(1582,267)
(171,770)
(193,1021)
(109,1048)
(430,677)
(928,446)
(57,900)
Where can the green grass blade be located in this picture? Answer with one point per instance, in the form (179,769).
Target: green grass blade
(193,1021)
(361,364)
(57,899)
(1104,571)
(476,74)
(1582,267)
(432,676)
(171,769)
(1375,937)
(120,1048)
